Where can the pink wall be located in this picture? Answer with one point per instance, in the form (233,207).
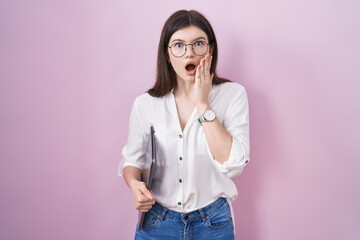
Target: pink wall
(69,71)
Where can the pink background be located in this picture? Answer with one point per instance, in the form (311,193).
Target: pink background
(70,70)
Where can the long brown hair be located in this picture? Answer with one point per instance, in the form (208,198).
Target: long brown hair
(165,74)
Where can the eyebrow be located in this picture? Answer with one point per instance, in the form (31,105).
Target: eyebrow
(194,40)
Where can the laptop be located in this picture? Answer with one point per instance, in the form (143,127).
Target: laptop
(148,173)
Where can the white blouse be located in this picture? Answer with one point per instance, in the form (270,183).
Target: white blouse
(187,176)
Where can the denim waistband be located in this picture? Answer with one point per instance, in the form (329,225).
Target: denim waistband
(202,213)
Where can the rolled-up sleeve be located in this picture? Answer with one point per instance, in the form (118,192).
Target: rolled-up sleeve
(134,151)
(236,122)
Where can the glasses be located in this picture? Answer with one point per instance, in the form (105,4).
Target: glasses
(179,49)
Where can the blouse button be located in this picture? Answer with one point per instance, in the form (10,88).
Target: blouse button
(179,203)
(180,181)
(180,136)
(180,158)
(246,161)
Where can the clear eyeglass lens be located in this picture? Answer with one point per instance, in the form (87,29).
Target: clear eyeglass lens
(200,48)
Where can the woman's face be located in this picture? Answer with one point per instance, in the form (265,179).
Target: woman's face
(185,66)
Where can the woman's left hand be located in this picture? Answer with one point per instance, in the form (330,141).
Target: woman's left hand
(203,83)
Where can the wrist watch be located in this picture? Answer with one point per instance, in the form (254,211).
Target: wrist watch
(208,116)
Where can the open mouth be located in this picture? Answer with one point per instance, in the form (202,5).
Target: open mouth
(190,67)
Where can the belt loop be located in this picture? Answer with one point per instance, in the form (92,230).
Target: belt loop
(203,215)
(163,212)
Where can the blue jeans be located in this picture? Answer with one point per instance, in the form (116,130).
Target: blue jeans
(209,223)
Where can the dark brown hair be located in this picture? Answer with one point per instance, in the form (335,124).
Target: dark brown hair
(165,74)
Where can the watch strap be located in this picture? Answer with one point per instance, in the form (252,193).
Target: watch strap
(201,119)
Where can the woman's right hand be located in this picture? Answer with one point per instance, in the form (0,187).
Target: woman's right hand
(143,198)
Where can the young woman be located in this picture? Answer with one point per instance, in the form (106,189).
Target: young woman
(201,124)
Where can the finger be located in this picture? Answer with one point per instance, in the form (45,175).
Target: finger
(142,199)
(144,209)
(145,192)
(207,64)
(197,74)
(144,205)
(203,67)
(198,78)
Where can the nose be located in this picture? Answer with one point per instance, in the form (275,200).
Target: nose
(189,51)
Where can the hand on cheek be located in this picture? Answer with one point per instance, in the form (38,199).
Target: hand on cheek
(203,83)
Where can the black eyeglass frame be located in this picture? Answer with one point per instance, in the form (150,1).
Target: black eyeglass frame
(192,47)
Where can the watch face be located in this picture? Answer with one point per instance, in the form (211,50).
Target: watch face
(209,115)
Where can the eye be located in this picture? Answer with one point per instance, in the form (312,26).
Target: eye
(199,43)
(178,45)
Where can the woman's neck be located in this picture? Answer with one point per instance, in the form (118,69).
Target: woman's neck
(184,89)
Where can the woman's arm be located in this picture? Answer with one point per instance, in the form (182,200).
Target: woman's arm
(134,158)
(219,140)
(228,144)
(143,198)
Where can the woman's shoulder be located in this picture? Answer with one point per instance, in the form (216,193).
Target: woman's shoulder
(145,100)
(229,88)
